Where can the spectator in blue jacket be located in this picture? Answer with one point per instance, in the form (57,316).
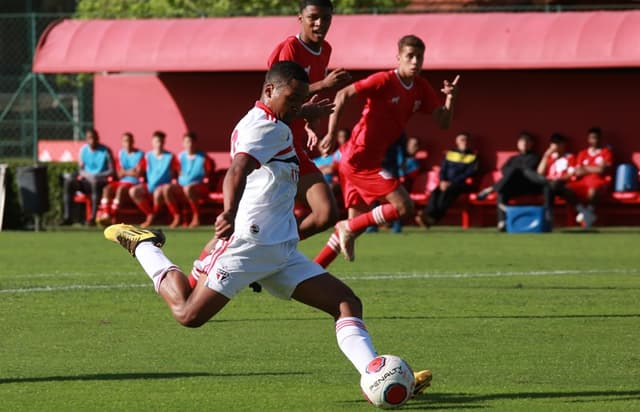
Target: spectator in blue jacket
(458,165)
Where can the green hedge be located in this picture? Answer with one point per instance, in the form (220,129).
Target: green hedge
(13,216)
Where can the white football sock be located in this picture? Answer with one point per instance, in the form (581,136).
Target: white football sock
(154,262)
(354,341)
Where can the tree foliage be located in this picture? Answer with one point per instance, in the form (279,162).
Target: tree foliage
(198,8)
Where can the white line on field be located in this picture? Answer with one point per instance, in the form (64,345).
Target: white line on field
(448,275)
(364,276)
(75,287)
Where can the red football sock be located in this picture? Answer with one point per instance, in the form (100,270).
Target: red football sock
(146,207)
(379,215)
(194,206)
(329,252)
(173,208)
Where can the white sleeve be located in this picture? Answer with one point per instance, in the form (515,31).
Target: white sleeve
(263,141)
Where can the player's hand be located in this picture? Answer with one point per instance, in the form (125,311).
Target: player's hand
(312,137)
(337,78)
(314,109)
(327,144)
(450,88)
(444,185)
(224,225)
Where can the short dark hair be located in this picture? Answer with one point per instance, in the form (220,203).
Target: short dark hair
(524,135)
(92,131)
(128,134)
(557,138)
(411,41)
(465,134)
(283,72)
(159,134)
(190,135)
(320,3)
(595,130)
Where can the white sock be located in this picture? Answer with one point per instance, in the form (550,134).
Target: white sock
(154,262)
(354,341)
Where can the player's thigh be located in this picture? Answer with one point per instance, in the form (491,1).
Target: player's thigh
(296,269)
(236,263)
(314,191)
(329,294)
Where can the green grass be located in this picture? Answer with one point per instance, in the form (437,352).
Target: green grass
(506,322)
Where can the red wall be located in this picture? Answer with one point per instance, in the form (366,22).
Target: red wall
(494,106)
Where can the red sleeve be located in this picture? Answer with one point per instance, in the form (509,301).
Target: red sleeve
(431,99)
(371,85)
(209,165)
(142,164)
(175,164)
(283,51)
(581,156)
(607,155)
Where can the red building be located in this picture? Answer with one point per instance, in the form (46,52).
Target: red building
(543,72)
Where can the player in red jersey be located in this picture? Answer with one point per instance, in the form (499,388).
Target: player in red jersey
(392,97)
(310,50)
(593,168)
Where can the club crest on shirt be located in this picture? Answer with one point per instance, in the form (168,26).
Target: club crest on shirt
(255,229)
(416,105)
(395,100)
(221,275)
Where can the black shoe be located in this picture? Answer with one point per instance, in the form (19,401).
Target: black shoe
(256,287)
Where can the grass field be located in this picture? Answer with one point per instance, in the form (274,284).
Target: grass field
(506,322)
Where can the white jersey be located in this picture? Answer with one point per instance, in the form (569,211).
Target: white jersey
(265,213)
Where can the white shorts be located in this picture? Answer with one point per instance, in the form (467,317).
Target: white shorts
(236,263)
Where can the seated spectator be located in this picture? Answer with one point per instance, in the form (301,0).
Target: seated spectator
(558,167)
(161,167)
(458,165)
(95,168)
(328,162)
(401,163)
(195,169)
(592,176)
(519,177)
(129,169)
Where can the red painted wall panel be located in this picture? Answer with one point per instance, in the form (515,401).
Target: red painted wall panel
(493,105)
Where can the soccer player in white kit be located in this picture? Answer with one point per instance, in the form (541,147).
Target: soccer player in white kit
(257,233)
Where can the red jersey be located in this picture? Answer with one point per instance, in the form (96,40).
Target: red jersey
(595,157)
(389,106)
(560,166)
(293,49)
(314,63)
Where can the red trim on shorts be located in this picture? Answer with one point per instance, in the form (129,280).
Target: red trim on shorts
(216,254)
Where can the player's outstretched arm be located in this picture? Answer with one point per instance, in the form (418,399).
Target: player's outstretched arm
(315,109)
(444,114)
(328,143)
(232,189)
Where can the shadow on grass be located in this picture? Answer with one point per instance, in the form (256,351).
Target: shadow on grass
(427,317)
(462,401)
(141,376)
(437,401)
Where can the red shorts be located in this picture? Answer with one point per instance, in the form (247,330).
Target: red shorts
(365,185)
(582,186)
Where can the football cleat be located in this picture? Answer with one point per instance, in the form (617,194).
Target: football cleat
(130,236)
(422,381)
(347,240)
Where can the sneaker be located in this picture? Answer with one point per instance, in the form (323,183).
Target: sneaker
(347,240)
(130,236)
(422,381)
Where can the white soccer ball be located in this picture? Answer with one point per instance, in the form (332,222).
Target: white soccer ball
(388,382)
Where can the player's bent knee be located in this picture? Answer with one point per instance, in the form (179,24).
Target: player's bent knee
(189,319)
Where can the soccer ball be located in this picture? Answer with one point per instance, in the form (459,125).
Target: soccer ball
(387,382)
